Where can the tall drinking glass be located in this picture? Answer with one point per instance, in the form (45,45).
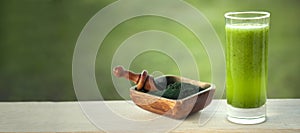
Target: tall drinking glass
(246,66)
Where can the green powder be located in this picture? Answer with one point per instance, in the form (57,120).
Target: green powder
(177,90)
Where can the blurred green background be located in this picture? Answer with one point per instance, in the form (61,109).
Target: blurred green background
(37,39)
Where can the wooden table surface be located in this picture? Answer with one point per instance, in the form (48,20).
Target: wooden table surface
(283,116)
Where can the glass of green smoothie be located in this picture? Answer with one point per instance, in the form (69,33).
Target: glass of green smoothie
(246,66)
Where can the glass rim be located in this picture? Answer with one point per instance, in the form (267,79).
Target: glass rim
(263,14)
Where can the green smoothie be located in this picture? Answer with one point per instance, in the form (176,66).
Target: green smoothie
(246,65)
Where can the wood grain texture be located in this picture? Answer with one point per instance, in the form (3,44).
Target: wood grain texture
(177,109)
(283,115)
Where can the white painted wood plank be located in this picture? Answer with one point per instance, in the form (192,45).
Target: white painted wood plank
(43,117)
(283,116)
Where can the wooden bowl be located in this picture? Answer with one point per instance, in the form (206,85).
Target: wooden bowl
(177,109)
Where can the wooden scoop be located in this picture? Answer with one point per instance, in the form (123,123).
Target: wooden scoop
(143,80)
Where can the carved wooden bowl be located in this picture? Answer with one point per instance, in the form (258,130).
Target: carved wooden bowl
(177,109)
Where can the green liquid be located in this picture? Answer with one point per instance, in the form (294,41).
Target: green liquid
(246,65)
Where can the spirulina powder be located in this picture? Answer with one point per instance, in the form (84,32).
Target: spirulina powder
(177,90)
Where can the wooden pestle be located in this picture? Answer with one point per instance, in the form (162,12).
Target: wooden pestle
(142,80)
